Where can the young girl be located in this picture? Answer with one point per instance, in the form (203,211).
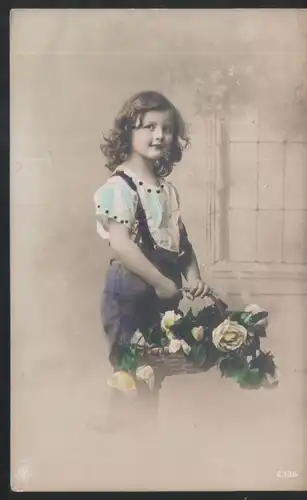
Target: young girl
(139,212)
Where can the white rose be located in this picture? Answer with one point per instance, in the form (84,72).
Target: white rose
(169,318)
(255,309)
(138,338)
(185,347)
(146,374)
(229,336)
(198,333)
(176,344)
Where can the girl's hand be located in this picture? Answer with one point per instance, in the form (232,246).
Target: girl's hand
(167,289)
(197,288)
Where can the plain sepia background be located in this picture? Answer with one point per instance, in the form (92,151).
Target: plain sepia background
(239,79)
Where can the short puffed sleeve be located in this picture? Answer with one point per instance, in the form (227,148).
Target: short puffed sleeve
(114,200)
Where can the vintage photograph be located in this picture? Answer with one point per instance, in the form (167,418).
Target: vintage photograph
(158,249)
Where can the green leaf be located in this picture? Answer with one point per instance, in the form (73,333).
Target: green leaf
(252,378)
(245,318)
(264,362)
(250,346)
(234,367)
(236,316)
(154,335)
(198,354)
(190,315)
(129,359)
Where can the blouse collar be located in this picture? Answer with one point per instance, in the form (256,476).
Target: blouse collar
(139,181)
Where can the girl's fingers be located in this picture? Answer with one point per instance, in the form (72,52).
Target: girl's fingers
(207,291)
(194,288)
(199,289)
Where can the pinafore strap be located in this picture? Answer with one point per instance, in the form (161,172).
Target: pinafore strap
(140,214)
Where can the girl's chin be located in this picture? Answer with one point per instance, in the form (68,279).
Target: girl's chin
(155,153)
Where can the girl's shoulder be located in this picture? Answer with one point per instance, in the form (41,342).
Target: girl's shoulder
(172,190)
(114,185)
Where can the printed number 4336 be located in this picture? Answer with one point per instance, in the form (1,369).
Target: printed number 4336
(286,474)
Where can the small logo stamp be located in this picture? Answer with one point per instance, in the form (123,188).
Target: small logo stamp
(287,474)
(22,476)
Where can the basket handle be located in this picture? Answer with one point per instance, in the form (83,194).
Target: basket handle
(220,304)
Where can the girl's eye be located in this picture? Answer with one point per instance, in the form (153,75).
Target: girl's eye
(166,130)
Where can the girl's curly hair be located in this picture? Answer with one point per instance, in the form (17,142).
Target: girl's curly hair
(117,146)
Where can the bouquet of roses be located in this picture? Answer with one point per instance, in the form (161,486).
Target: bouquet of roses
(228,340)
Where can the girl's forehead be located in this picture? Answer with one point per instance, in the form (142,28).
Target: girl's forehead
(165,116)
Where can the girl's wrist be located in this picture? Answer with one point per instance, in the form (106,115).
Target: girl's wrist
(193,274)
(193,279)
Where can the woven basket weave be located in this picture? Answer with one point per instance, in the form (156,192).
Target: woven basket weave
(170,363)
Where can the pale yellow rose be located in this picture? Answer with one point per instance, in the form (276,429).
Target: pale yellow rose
(122,381)
(169,318)
(198,333)
(229,336)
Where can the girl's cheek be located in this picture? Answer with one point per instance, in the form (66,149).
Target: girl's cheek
(169,139)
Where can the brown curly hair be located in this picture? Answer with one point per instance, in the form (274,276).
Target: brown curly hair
(117,146)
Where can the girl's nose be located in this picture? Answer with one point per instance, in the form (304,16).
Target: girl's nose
(158,133)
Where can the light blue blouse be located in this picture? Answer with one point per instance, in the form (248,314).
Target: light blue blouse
(116,200)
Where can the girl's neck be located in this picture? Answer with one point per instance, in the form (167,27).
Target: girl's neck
(142,168)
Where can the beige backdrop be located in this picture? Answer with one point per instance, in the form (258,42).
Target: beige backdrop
(239,79)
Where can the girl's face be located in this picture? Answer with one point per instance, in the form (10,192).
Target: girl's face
(154,136)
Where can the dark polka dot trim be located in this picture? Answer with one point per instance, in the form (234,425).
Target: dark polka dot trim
(162,186)
(98,206)
(115,217)
(141,183)
(158,191)
(149,190)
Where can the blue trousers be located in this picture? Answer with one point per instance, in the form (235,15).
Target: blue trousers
(129,303)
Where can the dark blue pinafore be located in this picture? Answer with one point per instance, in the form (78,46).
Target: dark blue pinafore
(128,302)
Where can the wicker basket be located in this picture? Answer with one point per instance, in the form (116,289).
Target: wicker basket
(170,363)
(177,363)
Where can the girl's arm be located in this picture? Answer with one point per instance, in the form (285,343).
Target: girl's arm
(136,262)
(191,271)
(190,265)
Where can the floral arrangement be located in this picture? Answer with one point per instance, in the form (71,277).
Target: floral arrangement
(228,340)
